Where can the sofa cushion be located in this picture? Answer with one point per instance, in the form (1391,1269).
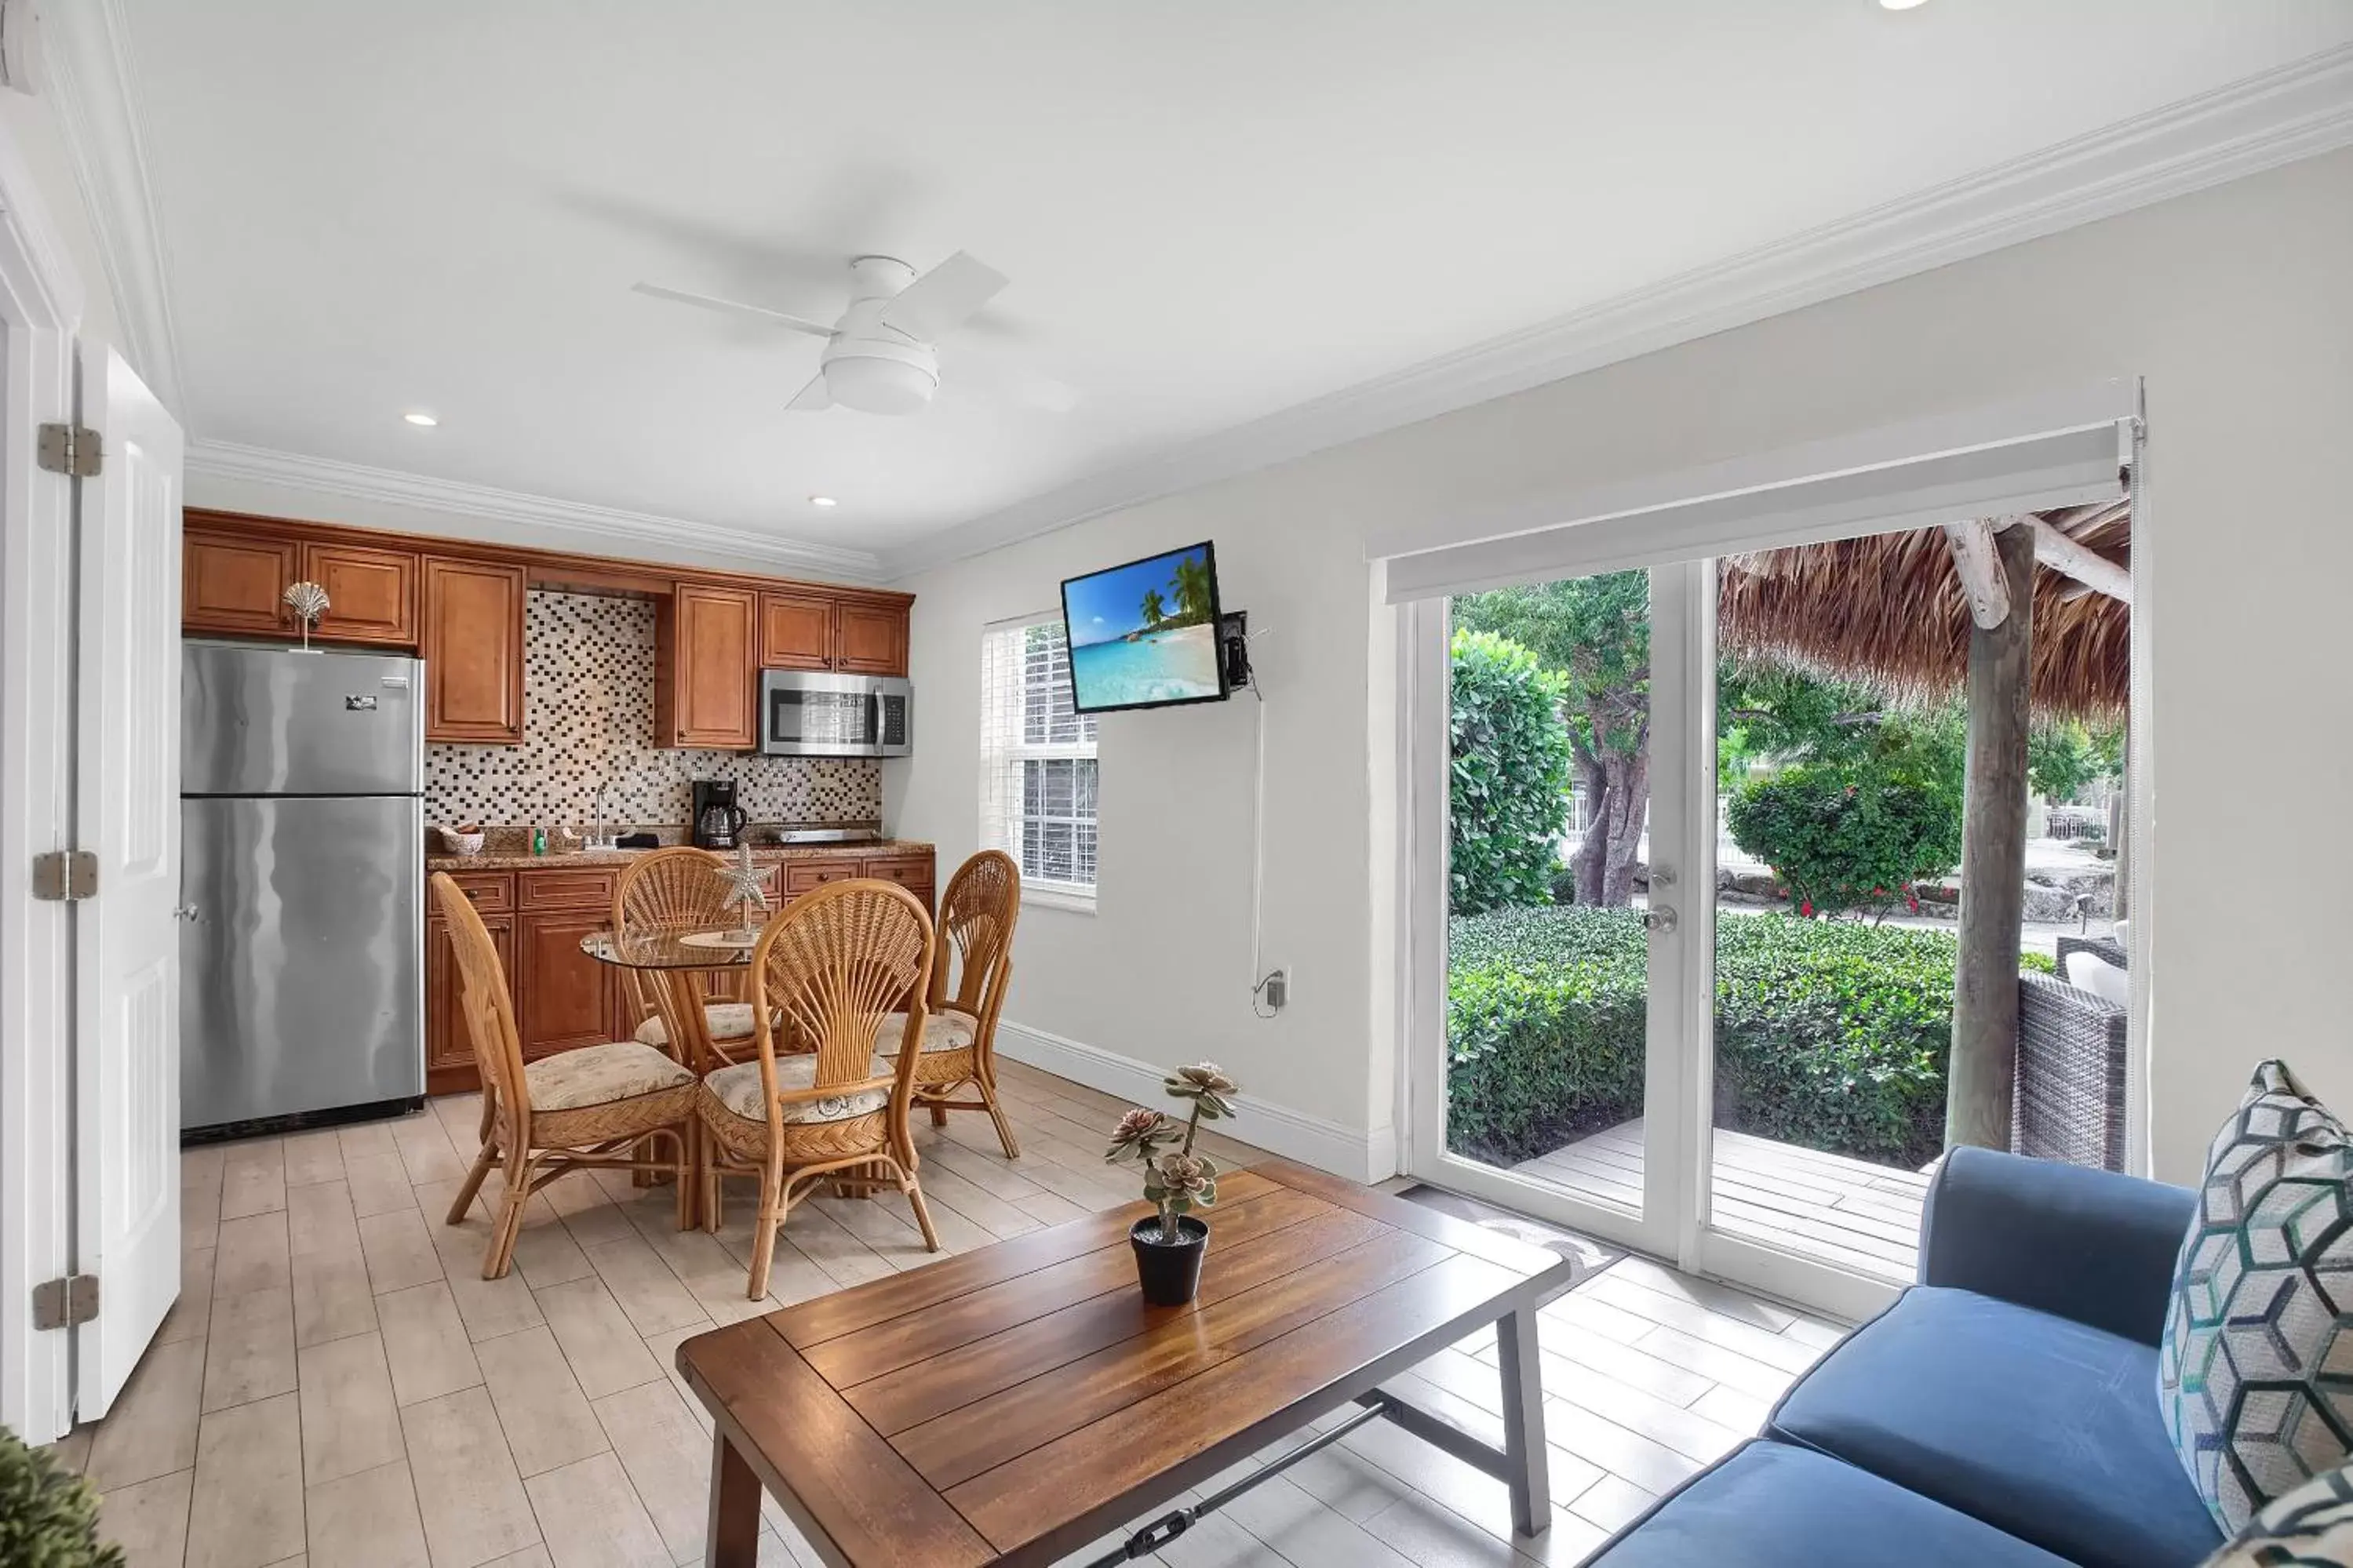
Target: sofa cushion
(2042,1427)
(2311,1526)
(1774,1506)
(2259,1337)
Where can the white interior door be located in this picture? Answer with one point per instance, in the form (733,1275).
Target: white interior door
(127,765)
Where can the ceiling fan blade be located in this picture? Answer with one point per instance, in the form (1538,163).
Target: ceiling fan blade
(936,303)
(734,308)
(809,399)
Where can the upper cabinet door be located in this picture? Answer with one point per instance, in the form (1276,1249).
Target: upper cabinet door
(706,677)
(231,583)
(472,646)
(796,632)
(371,594)
(870,639)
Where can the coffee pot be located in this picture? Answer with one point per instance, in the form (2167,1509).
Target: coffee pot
(719,822)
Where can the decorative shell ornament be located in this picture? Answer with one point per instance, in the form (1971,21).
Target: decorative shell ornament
(309,602)
(744,889)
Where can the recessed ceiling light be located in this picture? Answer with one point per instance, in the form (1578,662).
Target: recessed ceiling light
(1901,4)
(420,419)
(823,501)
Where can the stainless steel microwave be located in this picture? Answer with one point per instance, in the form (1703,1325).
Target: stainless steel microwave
(809,714)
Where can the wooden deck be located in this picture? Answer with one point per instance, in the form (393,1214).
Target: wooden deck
(1844,1211)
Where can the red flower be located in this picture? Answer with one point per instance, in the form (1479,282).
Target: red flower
(1807,909)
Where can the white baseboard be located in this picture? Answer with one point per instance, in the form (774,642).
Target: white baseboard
(1349,1152)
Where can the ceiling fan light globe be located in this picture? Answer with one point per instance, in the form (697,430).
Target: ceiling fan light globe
(874,384)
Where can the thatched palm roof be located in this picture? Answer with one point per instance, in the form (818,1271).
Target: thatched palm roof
(1890,610)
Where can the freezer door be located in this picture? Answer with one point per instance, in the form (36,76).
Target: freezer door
(265,720)
(302,965)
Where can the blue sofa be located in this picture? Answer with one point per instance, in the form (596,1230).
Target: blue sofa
(2002,1413)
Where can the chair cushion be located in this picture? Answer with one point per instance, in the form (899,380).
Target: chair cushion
(738,1090)
(2259,1333)
(600,1074)
(725,1020)
(2042,1427)
(1774,1506)
(2312,1525)
(943,1031)
(2090,972)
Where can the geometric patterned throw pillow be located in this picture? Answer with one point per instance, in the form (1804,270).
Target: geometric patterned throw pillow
(2312,1527)
(2256,1373)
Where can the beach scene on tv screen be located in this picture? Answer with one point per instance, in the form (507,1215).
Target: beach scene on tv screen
(1144,633)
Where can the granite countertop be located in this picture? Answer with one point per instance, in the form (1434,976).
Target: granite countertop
(764,854)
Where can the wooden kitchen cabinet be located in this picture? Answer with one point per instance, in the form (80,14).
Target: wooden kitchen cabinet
(573,1000)
(371,594)
(705,673)
(869,639)
(449,1066)
(231,583)
(473,650)
(796,632)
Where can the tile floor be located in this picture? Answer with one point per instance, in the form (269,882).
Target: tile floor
(339,1386)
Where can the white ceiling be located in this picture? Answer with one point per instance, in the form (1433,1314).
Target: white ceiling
(1210,211)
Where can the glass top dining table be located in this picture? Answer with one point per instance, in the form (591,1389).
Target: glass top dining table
(669,949)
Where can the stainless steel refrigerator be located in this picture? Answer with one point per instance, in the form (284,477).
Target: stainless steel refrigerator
(302,866)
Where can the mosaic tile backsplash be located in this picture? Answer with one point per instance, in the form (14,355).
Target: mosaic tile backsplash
(588,716)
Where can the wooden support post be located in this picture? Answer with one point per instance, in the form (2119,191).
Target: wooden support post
(1982,1079)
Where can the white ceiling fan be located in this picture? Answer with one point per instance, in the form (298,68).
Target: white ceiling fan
(879,357)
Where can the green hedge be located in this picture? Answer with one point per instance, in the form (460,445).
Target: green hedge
(1831,1036)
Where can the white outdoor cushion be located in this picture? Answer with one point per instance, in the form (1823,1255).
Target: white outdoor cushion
(2090,972)
(942,1032)
(725,1020)
(600,1074)
(738,1090)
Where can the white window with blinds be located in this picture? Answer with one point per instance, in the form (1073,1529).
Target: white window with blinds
(1038,769)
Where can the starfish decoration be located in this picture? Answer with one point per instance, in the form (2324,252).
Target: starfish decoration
(743,885)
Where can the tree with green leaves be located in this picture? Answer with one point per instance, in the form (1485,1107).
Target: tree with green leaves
(1155,608)
(1508,774)
(1194,589)
(1595,633)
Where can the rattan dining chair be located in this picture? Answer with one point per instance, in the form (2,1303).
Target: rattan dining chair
(591,1108)
(827,971)
(679,889)
(974,940)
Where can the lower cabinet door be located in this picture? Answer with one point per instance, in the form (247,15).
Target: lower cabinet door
(448,1047)
(562,997)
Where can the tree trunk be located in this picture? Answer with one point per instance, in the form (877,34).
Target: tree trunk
(1592,849)
(1981,1082)
(1629,800)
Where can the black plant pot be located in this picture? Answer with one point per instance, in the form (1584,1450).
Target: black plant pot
(1169,1271)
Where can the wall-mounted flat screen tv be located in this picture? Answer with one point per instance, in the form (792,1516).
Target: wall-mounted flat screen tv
(1145,634)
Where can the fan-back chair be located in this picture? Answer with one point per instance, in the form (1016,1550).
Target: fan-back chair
(593,1108)
(827,971)
(680,890)
(975,941)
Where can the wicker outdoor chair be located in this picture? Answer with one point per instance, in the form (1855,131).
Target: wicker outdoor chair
(672,891)
(2070,1066)
(975,937)
(593,1108)
(827,970)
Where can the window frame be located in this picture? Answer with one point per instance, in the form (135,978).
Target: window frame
(1005,751)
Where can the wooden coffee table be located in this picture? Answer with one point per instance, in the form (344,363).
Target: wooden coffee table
(1012,1404)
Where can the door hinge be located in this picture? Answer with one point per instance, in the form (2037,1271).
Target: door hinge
(64,875)
(62,1303)
(70,449)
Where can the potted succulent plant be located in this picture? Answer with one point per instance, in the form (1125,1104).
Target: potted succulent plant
(1169,1244)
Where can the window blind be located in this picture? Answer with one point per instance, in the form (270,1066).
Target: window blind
(1038,765)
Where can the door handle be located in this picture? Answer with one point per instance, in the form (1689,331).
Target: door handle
(1660,919)
(185,912)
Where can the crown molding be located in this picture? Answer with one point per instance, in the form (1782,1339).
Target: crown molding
(87,53)
(259,465)
(2259,122)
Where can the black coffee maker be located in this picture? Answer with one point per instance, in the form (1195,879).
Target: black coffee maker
(718,820)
